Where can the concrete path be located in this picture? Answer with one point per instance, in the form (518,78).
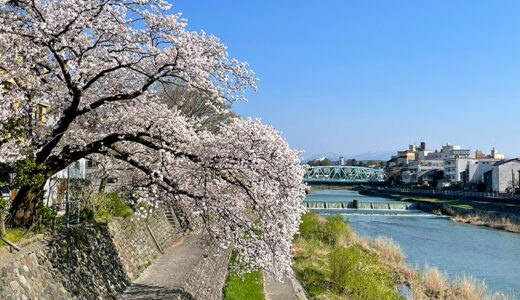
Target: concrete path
(164,278)
(290,289)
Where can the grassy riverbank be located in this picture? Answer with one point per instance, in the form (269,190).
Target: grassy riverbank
(456,202)
(496,222)
(332,262)
(332,187)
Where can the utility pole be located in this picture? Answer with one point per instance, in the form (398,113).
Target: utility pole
(67,206)
(519,179)
(513,180)
(78,216)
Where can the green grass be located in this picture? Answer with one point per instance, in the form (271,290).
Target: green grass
(443,201)
(111,205)
(359,273)
(331,187)
(329,266)
(14,235)
(249,287)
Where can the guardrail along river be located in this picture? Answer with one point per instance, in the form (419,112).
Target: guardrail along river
(426,239)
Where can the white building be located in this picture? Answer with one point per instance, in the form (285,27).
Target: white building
(423,165)
(453,168)
(476,170)
(448,151)
(505,175)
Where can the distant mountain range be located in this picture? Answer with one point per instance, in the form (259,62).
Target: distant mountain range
(376,155)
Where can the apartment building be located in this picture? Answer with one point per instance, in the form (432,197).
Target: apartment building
(469,170)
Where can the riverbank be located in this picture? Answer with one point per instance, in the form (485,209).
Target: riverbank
(478,213)
(312,188)
(333,262)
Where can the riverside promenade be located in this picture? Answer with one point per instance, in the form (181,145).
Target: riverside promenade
(186,270)
(189,270)
(289,289)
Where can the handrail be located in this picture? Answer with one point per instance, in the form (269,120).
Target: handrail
(455,193)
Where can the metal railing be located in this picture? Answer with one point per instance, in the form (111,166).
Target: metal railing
(69,209)
(453,193)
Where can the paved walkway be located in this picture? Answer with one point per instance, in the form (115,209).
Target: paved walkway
(290,289)
(165,277)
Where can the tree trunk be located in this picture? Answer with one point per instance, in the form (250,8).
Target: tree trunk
(2,224)
(23,208)
(103,184)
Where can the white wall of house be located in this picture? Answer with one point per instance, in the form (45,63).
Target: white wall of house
(503,174)
(476,171)
(76,171)
(476,167)
(453,168)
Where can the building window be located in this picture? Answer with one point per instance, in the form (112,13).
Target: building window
(42,112)
(112,180)
(91,164)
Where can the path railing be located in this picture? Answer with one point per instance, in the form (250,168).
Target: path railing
(452,193)
(70,210)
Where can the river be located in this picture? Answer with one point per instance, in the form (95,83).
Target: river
(426,239)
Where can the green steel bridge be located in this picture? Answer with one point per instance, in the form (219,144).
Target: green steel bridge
(343,174)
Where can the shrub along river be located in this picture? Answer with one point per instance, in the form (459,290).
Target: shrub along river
(458,249)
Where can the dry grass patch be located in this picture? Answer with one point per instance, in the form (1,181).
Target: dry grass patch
(503,223)
(389,251)
(434,284)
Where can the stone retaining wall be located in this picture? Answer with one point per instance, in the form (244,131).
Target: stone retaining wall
(207,279)
(85,262)
(135,245)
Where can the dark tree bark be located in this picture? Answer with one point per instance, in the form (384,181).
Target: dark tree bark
(23,208)
(103,184)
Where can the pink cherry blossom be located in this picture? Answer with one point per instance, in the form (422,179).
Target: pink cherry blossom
(100,65)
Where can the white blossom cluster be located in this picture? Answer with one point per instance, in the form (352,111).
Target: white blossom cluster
(99,64)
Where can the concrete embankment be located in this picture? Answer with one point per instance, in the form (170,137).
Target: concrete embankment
(503,216)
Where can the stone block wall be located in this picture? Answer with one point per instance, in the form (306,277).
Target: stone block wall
(85,262)
(23,276)
(207,279)
(134,243)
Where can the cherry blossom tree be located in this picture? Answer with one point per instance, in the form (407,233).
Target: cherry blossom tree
(100,64)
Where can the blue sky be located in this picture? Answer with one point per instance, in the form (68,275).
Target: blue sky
(358,76)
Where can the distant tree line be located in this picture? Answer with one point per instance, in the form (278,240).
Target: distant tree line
(348,162)
(320,162)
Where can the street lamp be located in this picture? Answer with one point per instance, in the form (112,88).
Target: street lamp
(12,176)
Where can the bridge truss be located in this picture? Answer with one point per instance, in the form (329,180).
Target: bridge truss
(343,174)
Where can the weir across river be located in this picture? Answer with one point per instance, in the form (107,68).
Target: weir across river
(321,205)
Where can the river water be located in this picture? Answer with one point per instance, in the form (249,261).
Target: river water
(426,239)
